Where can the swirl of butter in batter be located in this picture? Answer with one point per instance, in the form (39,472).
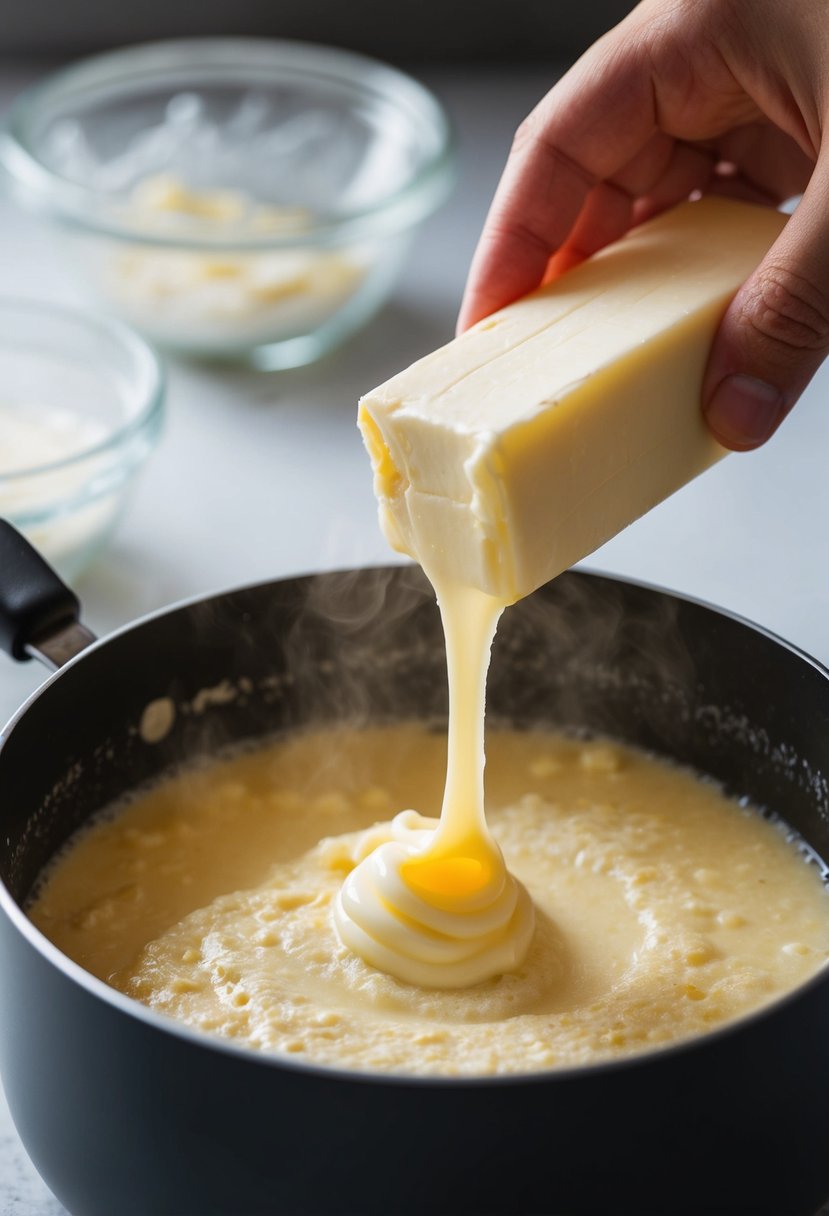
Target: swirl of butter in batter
(438,922)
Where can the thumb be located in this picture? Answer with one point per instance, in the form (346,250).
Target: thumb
(775,333)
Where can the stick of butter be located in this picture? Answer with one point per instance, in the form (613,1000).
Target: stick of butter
(530,440)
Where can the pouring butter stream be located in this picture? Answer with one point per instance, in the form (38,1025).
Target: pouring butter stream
(499,460)
(435,905)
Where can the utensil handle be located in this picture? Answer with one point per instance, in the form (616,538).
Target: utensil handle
(39,615)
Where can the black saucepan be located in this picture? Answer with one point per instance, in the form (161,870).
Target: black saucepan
(127,1114)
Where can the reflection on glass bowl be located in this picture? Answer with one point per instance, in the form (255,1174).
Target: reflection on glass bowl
(233,197)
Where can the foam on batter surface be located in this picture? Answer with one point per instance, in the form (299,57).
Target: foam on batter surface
(663,908)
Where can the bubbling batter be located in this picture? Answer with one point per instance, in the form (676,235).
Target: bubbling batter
(662,909)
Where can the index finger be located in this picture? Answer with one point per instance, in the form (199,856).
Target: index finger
(587,128)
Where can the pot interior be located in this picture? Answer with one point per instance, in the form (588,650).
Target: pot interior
(586,653)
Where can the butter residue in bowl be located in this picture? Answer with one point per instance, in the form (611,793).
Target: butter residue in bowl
(42,489)
(81,409)
(33,435)
(224,294)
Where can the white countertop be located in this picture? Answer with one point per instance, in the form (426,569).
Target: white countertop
(260,476)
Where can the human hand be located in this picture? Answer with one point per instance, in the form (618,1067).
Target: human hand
(684,96)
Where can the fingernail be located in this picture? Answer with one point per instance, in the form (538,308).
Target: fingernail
(744,412)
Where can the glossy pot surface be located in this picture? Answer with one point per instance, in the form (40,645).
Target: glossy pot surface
(125,1112)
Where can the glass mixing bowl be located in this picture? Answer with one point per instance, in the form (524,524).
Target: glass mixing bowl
(81,402)
(232,197)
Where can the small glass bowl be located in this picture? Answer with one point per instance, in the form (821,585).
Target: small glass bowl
(233,197)
(81,403)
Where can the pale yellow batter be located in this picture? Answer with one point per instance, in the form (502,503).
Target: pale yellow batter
(661,908)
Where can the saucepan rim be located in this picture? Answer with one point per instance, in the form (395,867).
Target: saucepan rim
(166,1024)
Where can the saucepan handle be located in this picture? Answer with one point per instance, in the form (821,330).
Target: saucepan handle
(39,615)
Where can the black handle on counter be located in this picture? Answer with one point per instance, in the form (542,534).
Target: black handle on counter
(35,605)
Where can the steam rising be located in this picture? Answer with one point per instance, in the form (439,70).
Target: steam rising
(361,647)
(590,655)
(578,652)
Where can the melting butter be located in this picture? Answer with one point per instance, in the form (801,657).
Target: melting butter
(434,904)
(498,461)
(521,446)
